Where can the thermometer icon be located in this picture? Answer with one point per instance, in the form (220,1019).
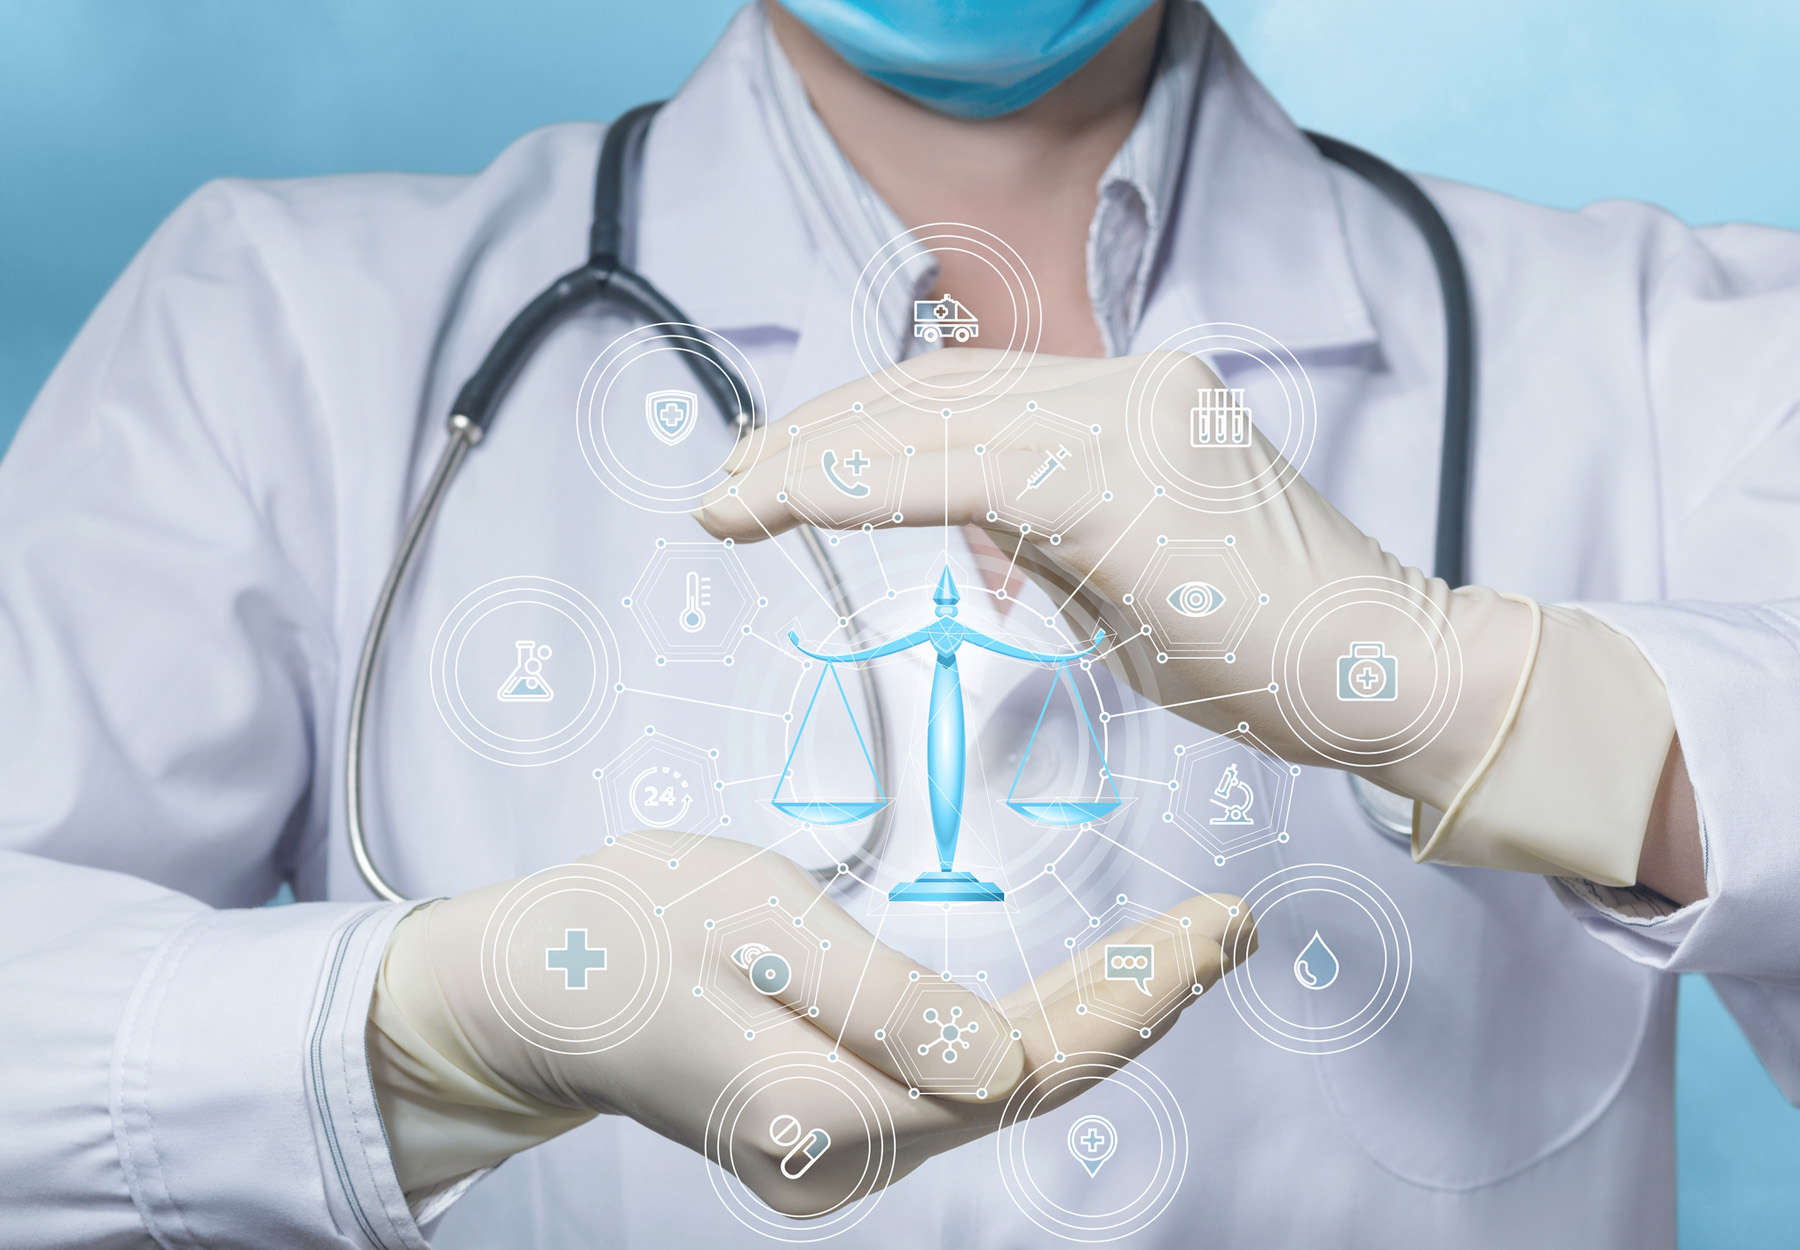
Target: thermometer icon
(693,616)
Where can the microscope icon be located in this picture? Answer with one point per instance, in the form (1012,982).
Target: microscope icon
(1223,796)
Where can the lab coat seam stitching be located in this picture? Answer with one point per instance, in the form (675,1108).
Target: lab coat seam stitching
(134,1127)
(321,1083)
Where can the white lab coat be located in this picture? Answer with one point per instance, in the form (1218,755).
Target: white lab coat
(198,512)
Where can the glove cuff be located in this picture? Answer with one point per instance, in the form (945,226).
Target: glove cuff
(1567,785)
(446,1111)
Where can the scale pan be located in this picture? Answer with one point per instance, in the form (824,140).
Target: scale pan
(1065,811)
(830,811)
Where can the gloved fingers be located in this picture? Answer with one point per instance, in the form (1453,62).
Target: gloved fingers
(1122,994)
(907,1021)
(864,486)
(904,406)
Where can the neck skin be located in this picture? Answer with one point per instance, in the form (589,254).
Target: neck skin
(1030,177)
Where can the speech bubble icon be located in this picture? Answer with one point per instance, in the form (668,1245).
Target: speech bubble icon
(1131,963)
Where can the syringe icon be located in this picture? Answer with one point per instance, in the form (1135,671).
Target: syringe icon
(1052,463)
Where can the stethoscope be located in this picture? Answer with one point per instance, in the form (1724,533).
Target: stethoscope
(606,278)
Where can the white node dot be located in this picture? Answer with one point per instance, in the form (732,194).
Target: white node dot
(1143,1032)
(1231,657)
(699,990)
(1031,405)
(793,429)
(1106,496)
(1081,1009)
(856,407)
(781,496)
(1017,1035)
(912,976)
(913,1093)
(1186,922)
(1199,989)
(749,1034)
(1059,1056)
(1243,726)
(981,1093)
(812,1011)
(1231,911)
(1281,837)
(880,1034)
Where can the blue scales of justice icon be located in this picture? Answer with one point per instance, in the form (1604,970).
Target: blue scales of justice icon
(945,752)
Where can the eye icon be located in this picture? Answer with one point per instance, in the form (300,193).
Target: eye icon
(1196,599)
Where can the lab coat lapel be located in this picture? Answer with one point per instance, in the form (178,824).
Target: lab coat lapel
(1259,236)
(718,228)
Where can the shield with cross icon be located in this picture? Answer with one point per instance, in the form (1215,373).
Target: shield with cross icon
(671,414)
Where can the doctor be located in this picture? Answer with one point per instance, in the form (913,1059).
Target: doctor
(199,508)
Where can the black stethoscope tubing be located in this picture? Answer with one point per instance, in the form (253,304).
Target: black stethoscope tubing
(605,277)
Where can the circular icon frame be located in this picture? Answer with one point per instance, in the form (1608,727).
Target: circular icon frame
(1383,1003)
(456,709)
(512,911)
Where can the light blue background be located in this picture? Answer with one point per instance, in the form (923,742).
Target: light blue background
(112,110)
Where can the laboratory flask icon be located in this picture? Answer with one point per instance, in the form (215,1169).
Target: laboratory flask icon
(526,684)
(945,751)
(1316,966)
(1092,1140)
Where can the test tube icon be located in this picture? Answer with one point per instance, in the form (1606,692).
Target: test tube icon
(1221,418)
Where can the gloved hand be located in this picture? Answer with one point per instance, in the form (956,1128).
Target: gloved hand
(1246,597)
(497,1023)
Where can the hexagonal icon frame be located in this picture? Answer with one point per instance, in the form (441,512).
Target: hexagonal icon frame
(844,435)
(1015,501)
(1175,991)
(915,1014)
(1217,559)
(1195,773)
(773,928)
(706,568)
(684,772)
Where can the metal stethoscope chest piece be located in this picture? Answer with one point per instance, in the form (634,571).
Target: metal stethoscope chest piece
(945,751)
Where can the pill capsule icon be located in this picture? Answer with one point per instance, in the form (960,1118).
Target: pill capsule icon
(805,1148)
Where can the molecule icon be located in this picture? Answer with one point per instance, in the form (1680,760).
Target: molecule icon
(950,1033)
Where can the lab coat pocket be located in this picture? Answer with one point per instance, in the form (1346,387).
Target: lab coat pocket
(1517,1031)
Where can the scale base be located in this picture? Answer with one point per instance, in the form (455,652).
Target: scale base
(946,887)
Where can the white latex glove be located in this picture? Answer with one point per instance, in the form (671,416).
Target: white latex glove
(1299,626)
(1128,553)
(482,1043)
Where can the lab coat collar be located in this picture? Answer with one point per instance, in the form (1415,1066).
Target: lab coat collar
(718,226)
(1258,234)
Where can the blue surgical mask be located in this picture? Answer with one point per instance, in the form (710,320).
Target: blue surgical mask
(968,58)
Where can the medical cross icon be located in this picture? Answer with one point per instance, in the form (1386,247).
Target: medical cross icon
(575,959)
(857,462)
(1092,1141)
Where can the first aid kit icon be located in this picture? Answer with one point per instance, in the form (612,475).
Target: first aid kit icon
(1368,672)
